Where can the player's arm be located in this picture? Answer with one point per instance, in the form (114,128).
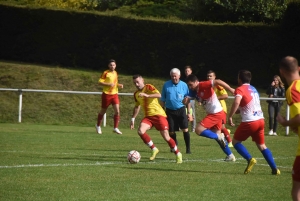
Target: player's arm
(223,84)
(223,97)
(103,83)
(234,108)
(136,110)
(293,122)
(120,86)
(155,95)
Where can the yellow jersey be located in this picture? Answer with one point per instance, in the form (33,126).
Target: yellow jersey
(109,77)
(293,100)
(221,91)
(150,106)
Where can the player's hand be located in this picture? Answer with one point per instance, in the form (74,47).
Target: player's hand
(112,84)
(281,119)
(120,86)
(230,121)
(131,125)
(186,100)
(190,117)
(143,95)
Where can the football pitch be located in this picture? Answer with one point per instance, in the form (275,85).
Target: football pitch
(51,162)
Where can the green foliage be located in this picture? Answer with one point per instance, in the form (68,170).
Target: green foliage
(247,10)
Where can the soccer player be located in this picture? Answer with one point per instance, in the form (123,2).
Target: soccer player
(188,70)
(172,94)
(289,69)
(247,100)
(222,95)
(109,81)
(211,125)
(146,97)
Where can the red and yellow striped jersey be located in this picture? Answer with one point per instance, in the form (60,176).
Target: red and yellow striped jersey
(109,77)
(150,106)
(293,100)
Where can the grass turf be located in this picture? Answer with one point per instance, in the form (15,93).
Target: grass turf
(54,162)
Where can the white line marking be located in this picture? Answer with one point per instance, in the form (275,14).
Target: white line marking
(125,162)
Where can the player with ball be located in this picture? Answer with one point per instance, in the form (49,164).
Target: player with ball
(146,97)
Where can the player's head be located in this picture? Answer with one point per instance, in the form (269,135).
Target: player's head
(288,65)
(192,82)
(112,64)
(211,75)
(244,76)
(138,81)
(188,70)
(175,75)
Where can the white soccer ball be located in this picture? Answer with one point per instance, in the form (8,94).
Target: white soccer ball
(133,157)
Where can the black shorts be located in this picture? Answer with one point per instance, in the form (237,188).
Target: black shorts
(177,119)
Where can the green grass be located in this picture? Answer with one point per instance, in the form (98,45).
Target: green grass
(53,162)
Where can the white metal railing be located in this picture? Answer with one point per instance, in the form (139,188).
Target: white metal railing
(121,94)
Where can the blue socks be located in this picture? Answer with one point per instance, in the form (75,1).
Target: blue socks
(269,158)
(242,151)
(209,134)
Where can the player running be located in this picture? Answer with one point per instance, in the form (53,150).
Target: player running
(211,125)
(146,97)
(247,101)
(109,81)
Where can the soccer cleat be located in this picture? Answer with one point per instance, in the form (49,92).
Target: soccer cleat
(250,165)
(230,158)
(116,130)
(154,152)
(179,158)
(230,144)
(276,171)
(271,132)
(221,140)
(98,129)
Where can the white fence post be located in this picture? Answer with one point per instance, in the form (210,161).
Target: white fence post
(287,129)
(104,120)
(20,105)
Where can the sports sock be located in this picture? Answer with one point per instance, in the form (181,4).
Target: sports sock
(186,136)
(241,149)
(226,150)
(99,120)
(173,146)
(147,140)
(173,136)
(269,158)
(226,134)
(209,134)
(116,121)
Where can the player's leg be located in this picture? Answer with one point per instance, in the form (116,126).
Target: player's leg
(144,126)
(259,138)
(172,145)
(229,155)
(184,124)
(172,125)
(241,134)
(296,179)
(104,105)
(116,107)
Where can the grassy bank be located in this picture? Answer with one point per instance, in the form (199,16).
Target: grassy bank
(69,109)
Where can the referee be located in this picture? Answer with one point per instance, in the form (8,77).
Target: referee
(172,95)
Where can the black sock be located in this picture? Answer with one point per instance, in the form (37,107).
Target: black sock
(186,136)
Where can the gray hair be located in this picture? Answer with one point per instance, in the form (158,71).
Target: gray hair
(175,70)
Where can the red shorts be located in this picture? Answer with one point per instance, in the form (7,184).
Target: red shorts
(224,118)
(159,122)
(296,169)
(255,129)
(108,99)
(213,120)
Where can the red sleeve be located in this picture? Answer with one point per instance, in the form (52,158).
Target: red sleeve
(205,84)
(103,75)
(238,91)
